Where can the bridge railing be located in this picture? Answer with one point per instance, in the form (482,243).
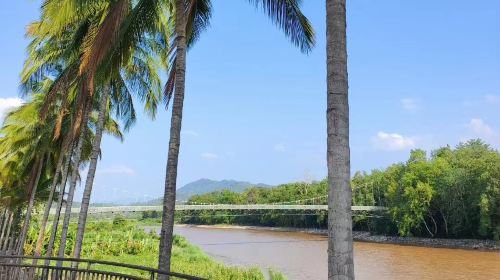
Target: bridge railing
(27,268)
(186,207)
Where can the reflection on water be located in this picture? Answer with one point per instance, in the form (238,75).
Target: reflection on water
(303,256)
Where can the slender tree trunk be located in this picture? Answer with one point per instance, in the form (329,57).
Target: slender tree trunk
(340,247)
(427,228)
(41,233)
(445,223)
(167,227)
(5,232)
(55,222)
(5,220)
(12,230)
(34,185)
(82,219)
(72,185)
(2,218)
(434,223)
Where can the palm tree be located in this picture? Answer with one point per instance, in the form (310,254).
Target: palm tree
(340,246)
(105,49)
(192,17)
(77,157)
(57,215)
(33,185)
(140,73)
(103,101)
(97,48)
(58,171)
(27,145)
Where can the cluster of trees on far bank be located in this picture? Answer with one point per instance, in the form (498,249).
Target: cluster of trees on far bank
(453,192)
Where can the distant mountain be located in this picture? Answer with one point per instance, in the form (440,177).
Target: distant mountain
(203,186)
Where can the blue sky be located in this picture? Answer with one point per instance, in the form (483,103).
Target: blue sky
(422,74)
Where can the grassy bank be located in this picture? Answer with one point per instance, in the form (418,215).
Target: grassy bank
(122,241)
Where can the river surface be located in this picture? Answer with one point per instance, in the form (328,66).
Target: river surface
(302,256)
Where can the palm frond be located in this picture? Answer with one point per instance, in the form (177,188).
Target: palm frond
(286,14)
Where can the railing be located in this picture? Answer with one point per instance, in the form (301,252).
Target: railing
(186,207)
(27,268)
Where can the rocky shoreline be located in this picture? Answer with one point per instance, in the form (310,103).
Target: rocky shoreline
(471,244)
(363,236)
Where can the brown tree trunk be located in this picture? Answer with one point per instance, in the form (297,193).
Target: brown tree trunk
(12,230)
(3,224)
(4,239)
(82,219)
(41,233)
(340,246)
(72,185)
(167,227)
(57,215)
(37,168)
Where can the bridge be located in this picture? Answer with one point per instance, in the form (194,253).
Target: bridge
(200,207)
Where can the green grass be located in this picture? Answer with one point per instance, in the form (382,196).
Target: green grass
(123,241)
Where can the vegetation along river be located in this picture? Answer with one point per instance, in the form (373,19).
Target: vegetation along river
(303,256)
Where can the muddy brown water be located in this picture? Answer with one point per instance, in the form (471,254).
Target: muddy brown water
(303,256)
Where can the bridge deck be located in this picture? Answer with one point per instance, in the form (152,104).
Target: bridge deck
(184,207)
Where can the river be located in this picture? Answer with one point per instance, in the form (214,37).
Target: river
(303,256)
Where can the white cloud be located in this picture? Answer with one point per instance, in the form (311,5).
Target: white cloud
(190,133)
(480,128)
(280,148)
(492,99)
(209,156)
(409,104)
(392,141)
(9,104)
(117,170)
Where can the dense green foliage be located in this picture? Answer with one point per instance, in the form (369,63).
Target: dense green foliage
(123,241)
(451,193)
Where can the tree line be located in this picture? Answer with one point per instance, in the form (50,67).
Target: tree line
(450,193)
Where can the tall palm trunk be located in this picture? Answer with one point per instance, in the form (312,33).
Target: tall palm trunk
(37,171)
(4,237)
(3,224)
(41,233)
(55,222)
(72,185)
(340,253)
(14,230)
(82,219)
(167,226)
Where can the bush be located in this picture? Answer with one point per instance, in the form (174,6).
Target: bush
(119,221)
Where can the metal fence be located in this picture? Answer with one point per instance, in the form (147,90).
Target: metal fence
(27,268)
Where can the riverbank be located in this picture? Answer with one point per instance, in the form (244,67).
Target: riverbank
(363,236)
